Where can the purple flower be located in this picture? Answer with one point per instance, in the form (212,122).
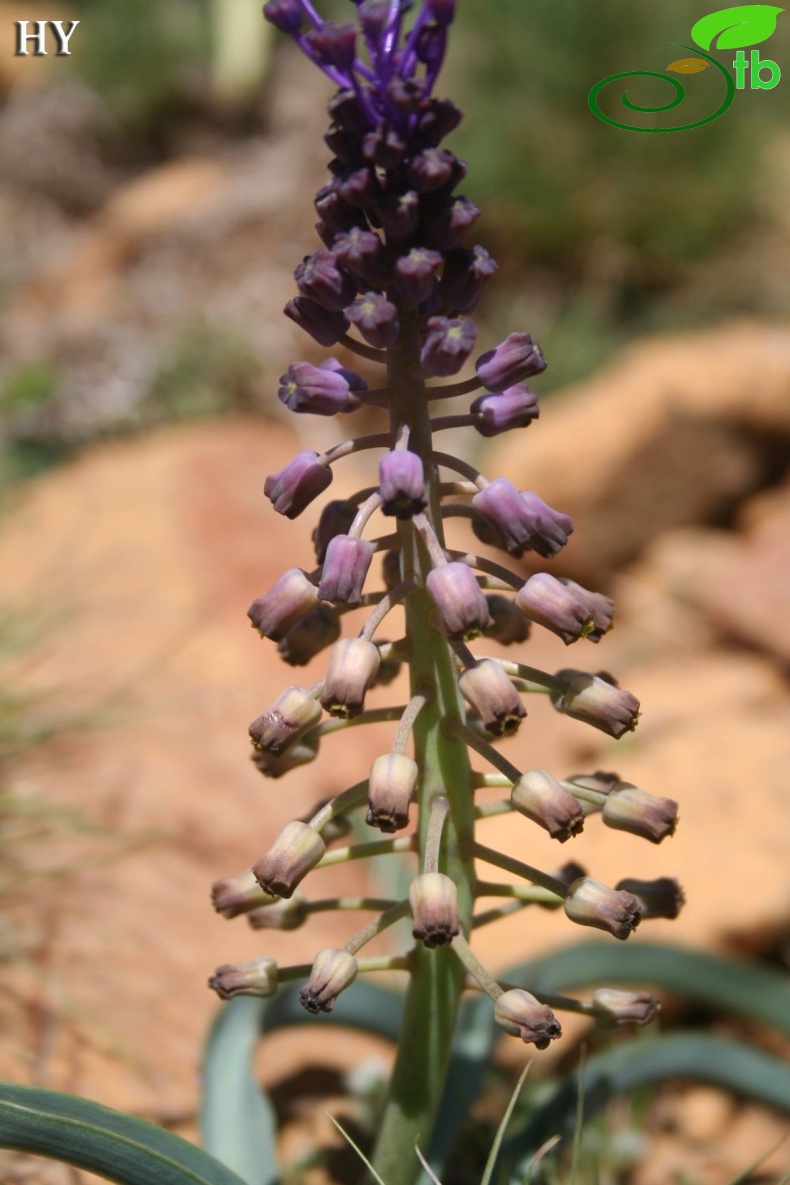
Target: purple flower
(518,357)
(448,343)
(461,606)
(514,408)
(317,390)
(336,519)
(333,45)
(283,605)
(415,276)
(320,279)
(285,15)
(375,318)
(597,700)
(361,252)
(294,487)
(345,568)
(401,484)
(548,602)
(398,213)
(600,608)
(463,278)
(323,326)
(445,227)
(522,523)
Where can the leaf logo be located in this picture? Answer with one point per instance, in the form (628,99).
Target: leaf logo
(687,66)
(746,24)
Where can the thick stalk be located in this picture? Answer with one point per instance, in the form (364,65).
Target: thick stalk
(437,980)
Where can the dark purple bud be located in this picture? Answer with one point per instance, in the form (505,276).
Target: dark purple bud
(514,408)
(256,978)
(442,11)
(291,715)
(508,625)
(333,970)
(320,279)
(548,602)
(550,529)
(415,276)
(384,147)
(401,484)
(521,1015)
(293,488)
(448,343)
(373,17)
(430,47)
(345,568)
(359,188)
(375,318)
(390,569)
(461,606)
(438,118)
(597,700)
(627,808)
(355,381)
(445,228)
(435,168)
(492,695)
(323,326)
(345,110)
(334,45)
(281,607)
(361,252)
(309,636)
(517,358)
(315,390)
(600,608)
(336,518)
(465,273)
(398,213)
(522,523)
(234,895)
(405,94)
(542,799)
(302,752)
(285,15)
(345,145)
(589,903)
(294,853)
(338,215)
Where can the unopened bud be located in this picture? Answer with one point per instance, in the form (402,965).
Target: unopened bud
(345,567)
(508,626)
(461,606)
(614,1008)
(391,786)
(294,853)
(514,408)
(517,358)
(333,970)
(309,636)
(599,607)
(293,714)
(302,752)
(521,1015)
(660,898)
(289,599)
(491,693)
(376,318)
(401,484)
(336,519)
(433,898)
(238,894)
(294,487)
(547,602)
(542,799)
(448,343)
(256,978)
(353,665)
(627,808)
(522,521)
(597,700)
(589,903)
(280,915)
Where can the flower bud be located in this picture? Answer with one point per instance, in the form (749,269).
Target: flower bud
(521,1015)
(514,408)
(336,519)
(508,626)
(293,488)
(325,327)
(547,602)
(375,318)
(614,1008)
(309,636)
(447,226)
(597,700)
(320,279)
(285,15)
(491,693)
(315,390)
(589,903)
(294,853)
(542,799)
(660,898)
(238,894)
(390,569)
(283,605)
(600,608)
(461,606)
(391,786)
(433,898)
(448,344)
(401,484)
(522,522)
(442,11)
(464,276)
(361,252)
(353,666)
(415,276)
(517,358)
(280,915)
(384,147)
(333,45)
(398,213)
(301,752)
(344,570)
(431,169)
(256,978)
(291,715)
(628,808)
(333,970)
(336,214)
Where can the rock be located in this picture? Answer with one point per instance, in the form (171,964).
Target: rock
(677,432)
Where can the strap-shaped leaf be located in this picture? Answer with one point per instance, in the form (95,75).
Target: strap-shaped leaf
(89,1136)
(746,24)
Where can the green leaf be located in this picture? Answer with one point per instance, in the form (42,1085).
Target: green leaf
(746,24)
(488,1172)
(89,1136)
(237,1124)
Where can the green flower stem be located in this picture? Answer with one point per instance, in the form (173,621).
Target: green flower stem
(325,904)
(371,716)
(564,1003)
(532,675)
(387,602)
(488,810)
(485,780)
(439,810)
(458,466)
(349,799)
(518,868)
(475,968)
(529,894)
(437,980)
(413,709)
(376,925)
(491,567)
(368,507)
(355,445)
(585,794)
(361,851)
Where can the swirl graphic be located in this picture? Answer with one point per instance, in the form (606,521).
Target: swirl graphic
(680,95)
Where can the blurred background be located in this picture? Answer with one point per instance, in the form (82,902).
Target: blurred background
(155,195)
